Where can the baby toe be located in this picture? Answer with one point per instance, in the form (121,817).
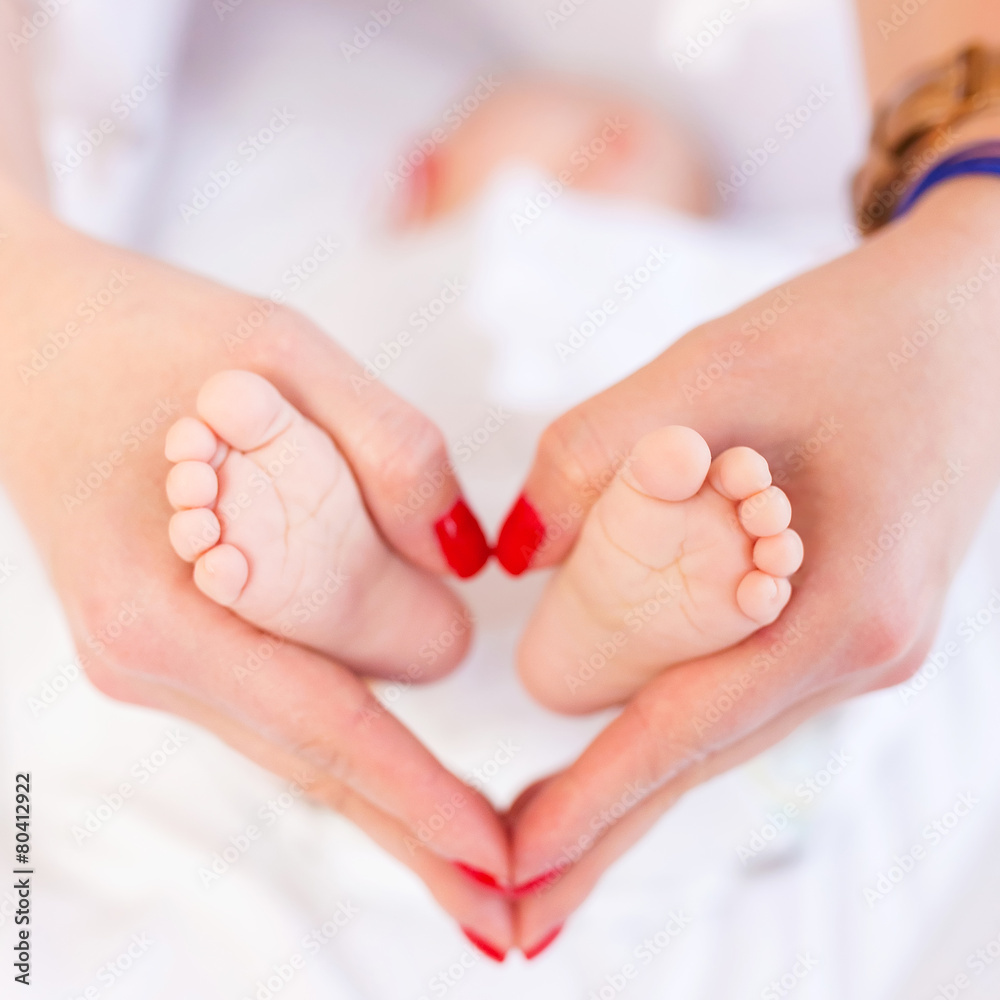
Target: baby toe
(193,532)
(192,484)
(670,463)
(739,473)
(765,513)
(244,409)
(762,597)
(779,555)
(189,440)
(221,574)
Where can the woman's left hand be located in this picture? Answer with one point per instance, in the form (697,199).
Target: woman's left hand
(871,386)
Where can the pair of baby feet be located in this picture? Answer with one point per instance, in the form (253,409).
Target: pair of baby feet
(680,557)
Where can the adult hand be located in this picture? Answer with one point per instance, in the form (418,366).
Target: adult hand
(870,384)
(101,350)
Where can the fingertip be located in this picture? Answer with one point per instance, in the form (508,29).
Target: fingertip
(521,537)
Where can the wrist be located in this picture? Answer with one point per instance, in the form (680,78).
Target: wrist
(965,208)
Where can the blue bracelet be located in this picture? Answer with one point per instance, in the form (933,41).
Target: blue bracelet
(983,158)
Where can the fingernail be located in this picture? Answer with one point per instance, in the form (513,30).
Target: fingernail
(489,950)
(479,876)
(542,881)
(521,535)
(462,540)
(534,952)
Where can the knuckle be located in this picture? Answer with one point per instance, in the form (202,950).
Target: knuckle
(409,449)
(572,449)
(894,635)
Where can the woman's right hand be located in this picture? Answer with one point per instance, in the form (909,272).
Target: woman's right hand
(101,350)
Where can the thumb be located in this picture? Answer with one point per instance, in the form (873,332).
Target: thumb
(579,455)
(398,455)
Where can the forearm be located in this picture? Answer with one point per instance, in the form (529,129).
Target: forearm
(20,151)
(897,45)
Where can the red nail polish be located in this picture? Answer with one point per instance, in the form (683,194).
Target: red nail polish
(479,876)
(462,540)
(530,953)
(521,535)
(489,950)
(542,881)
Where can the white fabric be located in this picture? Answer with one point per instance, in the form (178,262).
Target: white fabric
(904,759)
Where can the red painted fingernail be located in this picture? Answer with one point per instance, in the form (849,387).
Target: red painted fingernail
(541,882)
(489,950)
(530,953)
(462,540)
(479,876)
(521,535)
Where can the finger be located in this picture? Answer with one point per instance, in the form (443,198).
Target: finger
(689,712)
(486,913)
(398,455)
(580,453)
(315,710)
(550,903)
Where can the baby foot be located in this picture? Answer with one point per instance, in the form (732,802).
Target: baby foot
(269,513)
(680,557)
(603,142)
